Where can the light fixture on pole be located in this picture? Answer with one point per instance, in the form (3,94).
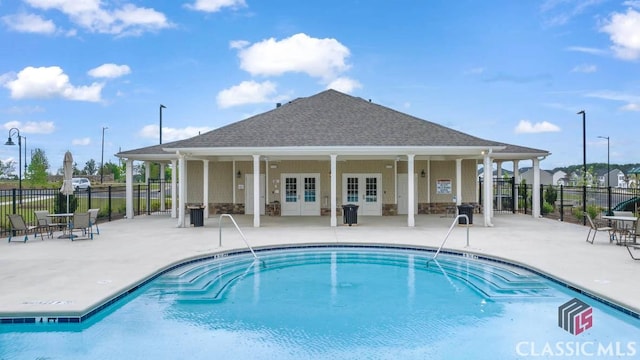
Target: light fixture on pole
(608,176)
(161,107)
(102,155)
(12,132)
(584,167)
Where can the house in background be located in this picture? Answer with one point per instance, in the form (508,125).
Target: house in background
(617,178)
(312,155)
(527,174)
(560,178)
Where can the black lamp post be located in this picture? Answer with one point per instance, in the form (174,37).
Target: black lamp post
(25,156)
(102,155)
(584,167)
(12,132)
(161,107)
(608,175)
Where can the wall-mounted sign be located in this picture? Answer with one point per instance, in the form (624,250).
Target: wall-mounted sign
(443,186)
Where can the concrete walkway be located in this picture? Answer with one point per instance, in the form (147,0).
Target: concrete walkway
(58,277)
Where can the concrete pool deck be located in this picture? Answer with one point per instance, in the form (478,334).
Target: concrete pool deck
(58,277)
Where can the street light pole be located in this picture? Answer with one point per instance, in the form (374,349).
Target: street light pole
(16,131)
(608,175)
(584,167)
(161,107)
(25,156)
(102,155)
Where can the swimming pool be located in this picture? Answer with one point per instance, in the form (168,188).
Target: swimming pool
(334,302)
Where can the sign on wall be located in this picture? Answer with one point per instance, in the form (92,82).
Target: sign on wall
(443,186)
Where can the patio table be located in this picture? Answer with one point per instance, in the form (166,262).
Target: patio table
(64,225)
(619,233)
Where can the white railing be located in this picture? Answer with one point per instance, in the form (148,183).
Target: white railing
(238,228)
(451,229)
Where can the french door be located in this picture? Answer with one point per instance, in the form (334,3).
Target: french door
(300,194)
(364,190)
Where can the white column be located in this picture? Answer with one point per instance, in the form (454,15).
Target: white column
(147,171)
(129,188)
(266,181)
(233,181)
(162,189)
(411,217)
(498,178)
(395,181)
(488,190)
(182,165)
(205,188)
(334,192)
(535,196)
(429,181)
(516,175)
(256,190)
(458,181)
(174,188)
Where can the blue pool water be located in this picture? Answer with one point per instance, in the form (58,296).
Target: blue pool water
(334,303)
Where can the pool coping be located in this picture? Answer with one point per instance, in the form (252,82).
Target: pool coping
(77,317)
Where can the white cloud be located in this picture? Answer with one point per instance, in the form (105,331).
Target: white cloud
(344,84)
(109,71)
(93,16)
(526,127)
(319,58)
(632,101)
(623,30)
(588,50)
(49,82)
(238,44)
(29,23)
(171,134)
(631,107)
(585,68)
(82,142)
(31,127)
(247,92)
(215,5)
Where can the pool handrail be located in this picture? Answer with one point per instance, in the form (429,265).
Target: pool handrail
(238,228)
(449,233)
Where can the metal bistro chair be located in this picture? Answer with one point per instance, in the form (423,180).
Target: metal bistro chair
(18,224)
(81,222)
(594,228)
(44,222)
(94,219)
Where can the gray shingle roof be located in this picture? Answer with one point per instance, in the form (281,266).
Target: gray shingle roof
(329,118)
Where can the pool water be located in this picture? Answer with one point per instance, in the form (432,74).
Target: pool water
(333,303)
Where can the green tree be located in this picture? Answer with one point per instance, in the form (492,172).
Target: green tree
(38,168)
(90,167)
(6,168)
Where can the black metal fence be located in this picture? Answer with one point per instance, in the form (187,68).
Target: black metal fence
(563,202)
(110,200)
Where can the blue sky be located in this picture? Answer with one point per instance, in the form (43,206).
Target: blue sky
(504,70)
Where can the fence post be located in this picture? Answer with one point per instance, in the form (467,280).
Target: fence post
(584,204)
(109,204)
(526,199)
(513,194)
(13,200)
(541,198)
(609,213)
(89,198)
(561,203)
(138,212)
(479,193)
(149,197)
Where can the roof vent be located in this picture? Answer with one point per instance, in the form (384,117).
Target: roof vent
(278,105)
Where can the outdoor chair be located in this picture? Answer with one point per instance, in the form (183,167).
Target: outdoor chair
(595,228)
(81,222)
(94,219)
(44,222)
(18,224)
(635,247)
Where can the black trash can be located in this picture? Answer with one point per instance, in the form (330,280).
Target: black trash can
(197,215)
(350,214)
(465,210)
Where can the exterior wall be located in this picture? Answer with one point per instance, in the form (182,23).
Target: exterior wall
(545,177)
(221,183)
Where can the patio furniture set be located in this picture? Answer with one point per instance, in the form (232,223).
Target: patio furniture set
(47,223)
(623,227)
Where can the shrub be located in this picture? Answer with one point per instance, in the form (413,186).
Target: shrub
(546,208)
(550,195)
